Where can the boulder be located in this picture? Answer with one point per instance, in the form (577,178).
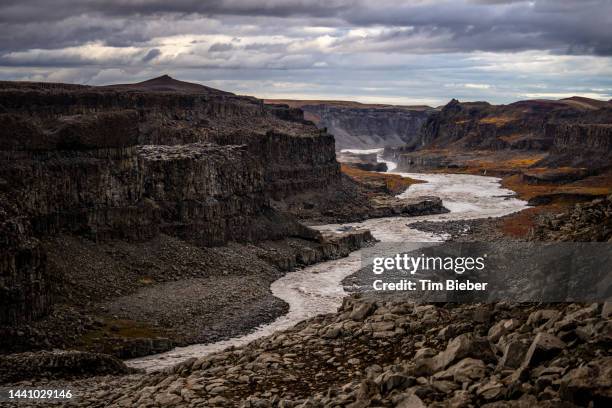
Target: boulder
(412,401)
(361,311)
(514,354)
(465,345)
(467,370)
(589,384)
(544,347)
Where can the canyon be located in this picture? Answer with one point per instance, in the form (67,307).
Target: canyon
(113,193)
(363,126)
(210,239)
(546,150)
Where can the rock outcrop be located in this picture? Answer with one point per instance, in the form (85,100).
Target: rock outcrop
(580,145)
(520,125)
(585,222)
(59,364)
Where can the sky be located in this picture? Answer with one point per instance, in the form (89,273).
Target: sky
(376,51)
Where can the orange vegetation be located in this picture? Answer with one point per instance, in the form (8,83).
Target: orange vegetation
(494,165)
(393,183)
(519,224)
(496,120)
(595,186)
(512,167)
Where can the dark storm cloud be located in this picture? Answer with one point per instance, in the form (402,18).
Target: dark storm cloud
(570,26)
(478,49)
(26,11)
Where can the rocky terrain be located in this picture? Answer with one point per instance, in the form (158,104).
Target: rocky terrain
(573,125)
(585,222)
(363,126)
(518,126)
(389,352)
(126,213)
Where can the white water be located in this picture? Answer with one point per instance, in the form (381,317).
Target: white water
(317,289)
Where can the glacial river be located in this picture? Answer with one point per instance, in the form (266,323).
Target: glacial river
(317,289)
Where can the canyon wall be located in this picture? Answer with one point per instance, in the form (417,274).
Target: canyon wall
(295,154)
(580,145)
(366,128)
(459,131)
(292,165)
(361,126)
(130,163)
(519,126)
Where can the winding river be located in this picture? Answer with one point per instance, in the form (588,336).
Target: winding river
(317,289)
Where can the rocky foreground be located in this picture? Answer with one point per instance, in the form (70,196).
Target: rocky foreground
(392,353)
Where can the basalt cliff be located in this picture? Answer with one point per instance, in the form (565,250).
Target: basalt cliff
(112,195)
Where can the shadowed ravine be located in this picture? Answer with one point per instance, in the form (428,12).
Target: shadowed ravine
(318,289)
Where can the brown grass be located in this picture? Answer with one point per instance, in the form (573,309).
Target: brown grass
(519,224)
(496,120)
(113,328)
(591,186)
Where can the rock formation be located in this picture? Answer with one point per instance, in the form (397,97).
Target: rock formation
(361,126)
(459,131)
(580,145)
(133,161)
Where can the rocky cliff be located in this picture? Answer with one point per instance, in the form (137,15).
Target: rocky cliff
(134,161)
(580,145)
(362,126)
(296,156)
(465,134)
(480,125)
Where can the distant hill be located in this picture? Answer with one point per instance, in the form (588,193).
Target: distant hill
(166,83)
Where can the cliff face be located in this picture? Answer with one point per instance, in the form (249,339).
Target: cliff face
(24,283)
(131,162)
(454,135)
(291,164)
(479,125)
(361,126)
(369,127)
(580,145)
(295,155)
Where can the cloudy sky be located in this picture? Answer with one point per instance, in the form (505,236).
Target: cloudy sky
(408,52)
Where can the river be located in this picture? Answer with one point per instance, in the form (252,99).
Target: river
(317,289)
